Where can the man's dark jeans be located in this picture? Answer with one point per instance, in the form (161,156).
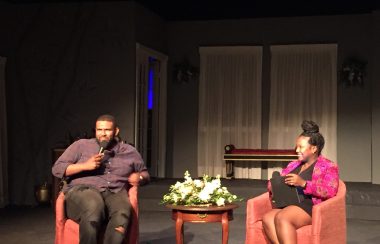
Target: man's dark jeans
(89,208)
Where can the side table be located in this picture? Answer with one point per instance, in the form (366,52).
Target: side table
(201,214)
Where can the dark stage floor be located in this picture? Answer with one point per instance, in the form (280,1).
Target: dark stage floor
(36,224)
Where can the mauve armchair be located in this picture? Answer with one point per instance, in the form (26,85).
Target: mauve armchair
(328,221)
(67,231)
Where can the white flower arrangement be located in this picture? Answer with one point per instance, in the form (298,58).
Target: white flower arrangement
(199,192)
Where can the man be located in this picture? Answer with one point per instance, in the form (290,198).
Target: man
(97,171)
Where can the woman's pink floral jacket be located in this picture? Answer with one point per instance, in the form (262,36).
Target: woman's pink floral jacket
(325,179)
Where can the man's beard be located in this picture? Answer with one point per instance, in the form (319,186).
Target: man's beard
(105,138)
(109,142)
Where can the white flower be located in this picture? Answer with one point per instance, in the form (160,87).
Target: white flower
(175,198)
(185,191)
(207,190)
(204,195)
(187,177)
(216,183)
(198,183)
(220,201)
(177,185)
(209,187)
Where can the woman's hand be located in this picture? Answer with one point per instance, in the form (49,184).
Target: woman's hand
(294,180)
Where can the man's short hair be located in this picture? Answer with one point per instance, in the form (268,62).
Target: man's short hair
(107,117)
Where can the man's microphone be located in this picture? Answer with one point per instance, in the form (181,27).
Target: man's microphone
(103,145)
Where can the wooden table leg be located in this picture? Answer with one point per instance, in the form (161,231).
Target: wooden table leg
(225,227)
(179,228)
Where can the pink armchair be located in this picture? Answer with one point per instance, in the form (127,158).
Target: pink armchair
(67,231)
(328,222)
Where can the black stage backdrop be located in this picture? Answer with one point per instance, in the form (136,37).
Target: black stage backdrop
(67,63)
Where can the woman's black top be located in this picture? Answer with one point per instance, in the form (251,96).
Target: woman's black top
(306,201)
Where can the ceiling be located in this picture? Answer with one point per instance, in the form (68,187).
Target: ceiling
(208,10)
(238,9)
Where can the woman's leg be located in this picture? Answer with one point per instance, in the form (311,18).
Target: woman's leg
(287,221)
(269,226)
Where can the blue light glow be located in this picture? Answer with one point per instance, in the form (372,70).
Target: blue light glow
(150,83)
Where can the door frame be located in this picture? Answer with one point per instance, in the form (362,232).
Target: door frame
(141,52)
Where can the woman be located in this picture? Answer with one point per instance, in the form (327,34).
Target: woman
(316,179)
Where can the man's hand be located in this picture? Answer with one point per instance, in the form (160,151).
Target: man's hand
(294,180)
(134,178)
(92,163)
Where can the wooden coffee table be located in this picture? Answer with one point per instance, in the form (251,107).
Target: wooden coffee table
(194,214)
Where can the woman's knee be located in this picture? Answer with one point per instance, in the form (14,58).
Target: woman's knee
(280,219)
(292,216)
(268,220)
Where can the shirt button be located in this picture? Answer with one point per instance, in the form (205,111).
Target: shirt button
(109,182)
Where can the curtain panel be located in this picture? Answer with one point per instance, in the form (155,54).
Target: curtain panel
(229,107)
(303,86)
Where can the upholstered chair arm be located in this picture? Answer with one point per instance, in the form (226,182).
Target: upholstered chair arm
(60,217)
(257,207)
(329,220)
(133,228)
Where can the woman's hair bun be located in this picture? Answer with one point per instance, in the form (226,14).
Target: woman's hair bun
(309,126)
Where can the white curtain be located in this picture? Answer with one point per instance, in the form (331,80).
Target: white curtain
(303,86)
(229,107)
(3,138)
